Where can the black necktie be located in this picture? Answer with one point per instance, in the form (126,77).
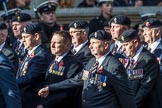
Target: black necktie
(17,46)
(149,49)
(115,50)
(131,63)
(73,51)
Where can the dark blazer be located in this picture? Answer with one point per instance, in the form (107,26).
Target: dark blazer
(110,90)
(63,98)
(9,88)
(84,54)
(11,54)
(158,54)
(31,75)
(146,86)
(21,51)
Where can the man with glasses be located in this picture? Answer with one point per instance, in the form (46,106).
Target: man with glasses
(79,32)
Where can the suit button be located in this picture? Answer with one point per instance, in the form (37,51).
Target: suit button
(84,100)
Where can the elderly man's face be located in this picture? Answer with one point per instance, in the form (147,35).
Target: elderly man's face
(116,30)
(129,48)
(98,47)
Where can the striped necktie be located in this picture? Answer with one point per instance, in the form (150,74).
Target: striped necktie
(94,67)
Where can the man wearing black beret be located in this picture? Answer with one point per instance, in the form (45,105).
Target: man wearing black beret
(7,20)
(104,78)
(18,21)
(46,11)
(118,24)
(31,73)
(5,48)
(143,71)
(79,30)
(152,36)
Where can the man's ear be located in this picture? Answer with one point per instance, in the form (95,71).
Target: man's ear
(37,36)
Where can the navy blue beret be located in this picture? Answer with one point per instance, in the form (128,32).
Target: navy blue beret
(121,19)
(79,24)
(3,26)
(128,35)
(31,28)
(47,6)
(21,17)
(101,35)
(152,22)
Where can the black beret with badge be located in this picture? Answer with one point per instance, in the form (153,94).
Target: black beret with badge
(101,35)
(21,17)
(152,22)
(49,5)
(3,26)
(128,35)
(121,19)
(79,24)
(31,28)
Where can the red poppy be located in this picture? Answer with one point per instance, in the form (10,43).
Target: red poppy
(32,55)
(61,63)
(100,70)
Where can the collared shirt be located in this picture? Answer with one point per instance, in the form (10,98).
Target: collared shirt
(61,57)
(1,46)
(154,45)
(31,51)
(101,59)
(80,46)
(135,58)
(118,44)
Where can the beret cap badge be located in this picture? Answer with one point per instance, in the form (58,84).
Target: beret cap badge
(147,24)
(122,37)
(115,20)
(18,18)
(25,29)
(75,25)
(49,5)
(95,34)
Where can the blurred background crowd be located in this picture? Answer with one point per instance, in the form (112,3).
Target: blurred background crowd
(27,4)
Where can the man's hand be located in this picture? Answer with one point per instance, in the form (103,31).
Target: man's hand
(43,92)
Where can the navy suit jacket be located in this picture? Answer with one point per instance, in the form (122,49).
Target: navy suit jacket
(11,54)
(8,86)
(64,98)
(158,53)
(21,51)
(116,93)
(146,87)
(30,77)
